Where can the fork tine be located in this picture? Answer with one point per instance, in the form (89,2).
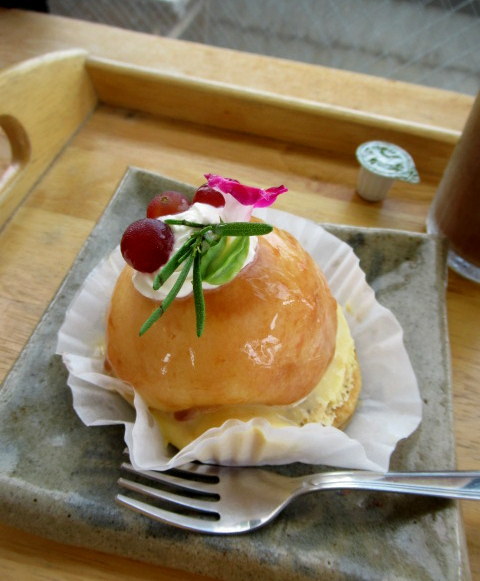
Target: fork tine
(187,501)
(171,518)
(170,479)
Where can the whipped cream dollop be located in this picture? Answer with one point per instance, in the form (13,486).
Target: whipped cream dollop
(199,213)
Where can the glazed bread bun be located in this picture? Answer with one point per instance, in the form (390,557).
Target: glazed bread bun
(332,401)
(270,335)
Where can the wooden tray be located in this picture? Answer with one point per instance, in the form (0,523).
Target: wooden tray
(45,101)
(91,118)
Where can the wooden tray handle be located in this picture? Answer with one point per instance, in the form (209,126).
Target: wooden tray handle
(16,151)
(43,101)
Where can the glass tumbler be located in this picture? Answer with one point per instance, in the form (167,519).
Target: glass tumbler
(455,211)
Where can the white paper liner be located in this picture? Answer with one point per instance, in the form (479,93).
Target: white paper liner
(389,409)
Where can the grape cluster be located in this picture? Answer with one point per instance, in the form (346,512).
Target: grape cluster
(146,244)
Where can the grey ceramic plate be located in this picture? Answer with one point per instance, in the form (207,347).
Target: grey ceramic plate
(58,477)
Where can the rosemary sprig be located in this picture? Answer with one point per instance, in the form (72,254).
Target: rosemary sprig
(190,254)
(180,256)
(167,301)
(241,229)
(198,294)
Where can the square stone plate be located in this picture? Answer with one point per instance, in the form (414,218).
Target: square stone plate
(58,477)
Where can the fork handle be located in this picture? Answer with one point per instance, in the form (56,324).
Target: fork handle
(450,484)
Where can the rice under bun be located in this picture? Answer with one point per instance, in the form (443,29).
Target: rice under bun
(269,335)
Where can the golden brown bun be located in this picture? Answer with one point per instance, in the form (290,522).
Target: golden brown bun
(269,335)
(181,429)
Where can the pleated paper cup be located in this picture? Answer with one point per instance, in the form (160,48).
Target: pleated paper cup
(389,408)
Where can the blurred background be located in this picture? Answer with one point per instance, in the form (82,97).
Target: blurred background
(429,42)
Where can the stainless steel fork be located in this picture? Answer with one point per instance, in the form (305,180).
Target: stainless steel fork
(225,500)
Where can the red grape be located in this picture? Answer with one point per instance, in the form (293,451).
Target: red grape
(146,244)
(168,202)
(207,195)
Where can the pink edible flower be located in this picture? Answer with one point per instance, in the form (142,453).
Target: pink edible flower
(246,195)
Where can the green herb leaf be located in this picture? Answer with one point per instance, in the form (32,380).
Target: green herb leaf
(174,222)
(167,301)
(198,294)
(228,261)
(180,256)
(211,254)
(242,229)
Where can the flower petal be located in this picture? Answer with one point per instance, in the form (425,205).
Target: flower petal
(246,195)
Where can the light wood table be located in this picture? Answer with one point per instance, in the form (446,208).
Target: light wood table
(62,209)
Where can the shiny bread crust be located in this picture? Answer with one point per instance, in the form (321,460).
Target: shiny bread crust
(269,335)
